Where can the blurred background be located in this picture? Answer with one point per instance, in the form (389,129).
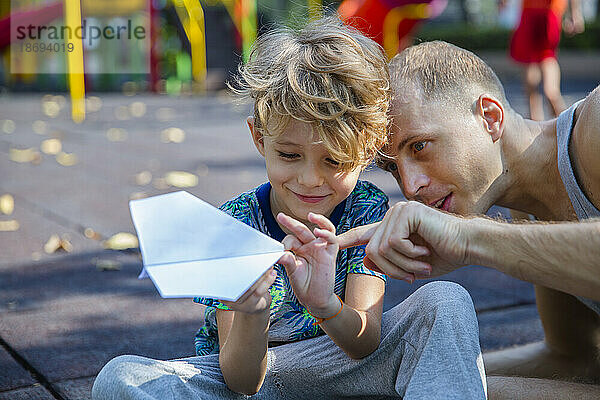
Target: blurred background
(135,104)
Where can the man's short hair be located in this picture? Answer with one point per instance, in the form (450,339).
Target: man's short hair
(326,74)
(440,70)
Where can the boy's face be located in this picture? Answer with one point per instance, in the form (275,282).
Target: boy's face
(303,176)
(441,158)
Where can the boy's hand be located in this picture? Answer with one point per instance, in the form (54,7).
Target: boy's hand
(256,299)
(310,263)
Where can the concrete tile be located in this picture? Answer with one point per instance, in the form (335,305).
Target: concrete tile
(67,318)
(13,375)
(35,392)
(76,389)
(508,327)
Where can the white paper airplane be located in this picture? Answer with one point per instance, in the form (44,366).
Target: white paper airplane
(190,248)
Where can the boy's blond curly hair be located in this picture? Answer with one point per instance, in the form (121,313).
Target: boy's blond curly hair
(328,75)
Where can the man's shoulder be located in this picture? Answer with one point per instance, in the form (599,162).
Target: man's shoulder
(585,145)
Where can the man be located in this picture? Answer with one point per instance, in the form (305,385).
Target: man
(458,146)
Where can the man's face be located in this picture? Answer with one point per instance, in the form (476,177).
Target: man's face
(303,175)
(441,157)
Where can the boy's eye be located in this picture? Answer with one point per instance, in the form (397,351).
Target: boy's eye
(289,156)
(332,162)
(391,167)
(419,146)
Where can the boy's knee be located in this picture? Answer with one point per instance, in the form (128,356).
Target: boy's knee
(443,294)
(113,375)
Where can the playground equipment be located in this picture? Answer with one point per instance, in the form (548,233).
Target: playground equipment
(101,64)
(389,22)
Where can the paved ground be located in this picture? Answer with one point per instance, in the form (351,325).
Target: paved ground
(64,314)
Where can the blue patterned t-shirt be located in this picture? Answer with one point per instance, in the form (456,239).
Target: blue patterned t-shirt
(289,320)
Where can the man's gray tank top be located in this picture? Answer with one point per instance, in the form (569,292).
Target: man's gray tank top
(582,205)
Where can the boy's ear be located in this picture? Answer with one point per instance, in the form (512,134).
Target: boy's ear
(257,137)
(491,112)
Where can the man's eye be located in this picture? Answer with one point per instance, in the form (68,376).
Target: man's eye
(419,146)
(289,156)
(391,167)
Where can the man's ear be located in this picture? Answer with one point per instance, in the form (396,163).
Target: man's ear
(257,137)
(492,115)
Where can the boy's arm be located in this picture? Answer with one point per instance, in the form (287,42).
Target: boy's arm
(357,330)
(243,337)
(356,325)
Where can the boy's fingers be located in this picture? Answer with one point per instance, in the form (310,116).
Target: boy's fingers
(321,221)
(357,236)
(288,261)
(290,242)
(298,228)
(255,286)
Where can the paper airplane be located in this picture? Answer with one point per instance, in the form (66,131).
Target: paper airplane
(190,248)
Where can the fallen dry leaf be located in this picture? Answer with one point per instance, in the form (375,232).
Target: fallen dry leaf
(51,146)
(56,243)
(7,204)
(137,195)
(116,134)
(143,178)
(25,155)
(93,103)
(122,113)
(121,241)
(172,135)
(66,159)
(8,126)
(91,234)
(39,127)
(107,265)
(9,226)
(160,184)
(51,108)
(181,179)
(137,109)
(202,170)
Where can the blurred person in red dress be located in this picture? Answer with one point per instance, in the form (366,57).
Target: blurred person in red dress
(534,44)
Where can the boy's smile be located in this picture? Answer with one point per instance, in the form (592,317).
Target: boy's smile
(304,177)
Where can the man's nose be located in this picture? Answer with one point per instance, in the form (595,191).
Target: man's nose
(413,179)
(310,176)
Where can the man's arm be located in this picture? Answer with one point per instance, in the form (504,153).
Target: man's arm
(562,256)
(414,239)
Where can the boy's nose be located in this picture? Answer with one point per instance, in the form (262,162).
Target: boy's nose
(310,176)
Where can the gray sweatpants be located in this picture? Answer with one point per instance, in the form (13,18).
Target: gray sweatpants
(429,350)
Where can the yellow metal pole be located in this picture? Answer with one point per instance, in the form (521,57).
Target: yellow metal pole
(315,9)
(75,61)
(192,19)
(197,39)
(248,24)
(393,19)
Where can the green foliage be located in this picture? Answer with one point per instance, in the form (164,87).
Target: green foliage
(476,38)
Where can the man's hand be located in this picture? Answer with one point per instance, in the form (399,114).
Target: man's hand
(412,241)
(256,299)
(310,264)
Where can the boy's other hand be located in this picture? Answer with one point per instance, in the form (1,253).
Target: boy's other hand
(256,299)
(310,263)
